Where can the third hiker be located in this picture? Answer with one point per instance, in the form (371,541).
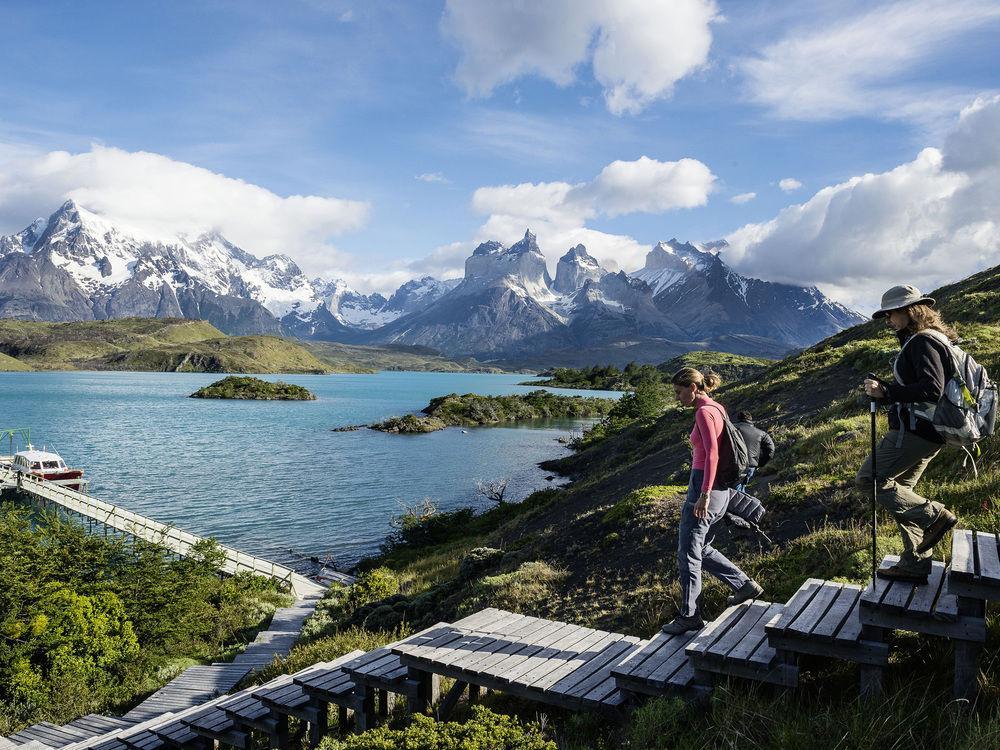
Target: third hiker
(920,374)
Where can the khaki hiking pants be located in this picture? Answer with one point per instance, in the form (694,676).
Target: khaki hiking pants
(899,469)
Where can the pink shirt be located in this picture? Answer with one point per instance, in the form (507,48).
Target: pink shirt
(708,423)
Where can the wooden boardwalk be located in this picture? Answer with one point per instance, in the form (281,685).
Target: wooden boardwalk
(176,540)
(561,664)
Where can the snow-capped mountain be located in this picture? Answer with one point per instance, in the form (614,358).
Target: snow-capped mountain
(76,265)
(508,307)
(693,286)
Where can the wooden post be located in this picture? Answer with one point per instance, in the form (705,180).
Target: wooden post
(319,727)
(425,692)
(364,713)
(872,676)
(451,700)
(279,737)
(474,692)
(967,653)
(342,718)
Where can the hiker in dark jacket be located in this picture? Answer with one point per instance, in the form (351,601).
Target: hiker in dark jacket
(920,373)
(760,445)
(706,503)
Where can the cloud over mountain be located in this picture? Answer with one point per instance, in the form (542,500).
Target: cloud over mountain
(637,49)
(161,197)
(928,221)
(558,211)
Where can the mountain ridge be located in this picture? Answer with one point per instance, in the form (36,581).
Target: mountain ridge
(77,265)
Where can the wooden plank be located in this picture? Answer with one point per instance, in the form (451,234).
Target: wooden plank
(672,670)
(597,669)
(965,628)
(800,599)
(471,622)
(489,662)
(988,559)
(750,643)
(946,609)
(813,613)
(573,660)
(851,631)
(713,631)
(652,656)
(860,652)
(475,650)
(922,602)
(571,635)
(750,614)
(835,617)
(877,588)
(963,559)
(540,642)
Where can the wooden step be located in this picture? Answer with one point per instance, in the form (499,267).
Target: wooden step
(975,565)
(822,619)
(529,657)
(736,644)
(661,667)
(925,608)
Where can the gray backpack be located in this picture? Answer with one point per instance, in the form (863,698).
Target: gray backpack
(967,410)
(734,458)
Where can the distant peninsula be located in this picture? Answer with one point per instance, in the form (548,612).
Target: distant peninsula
(472,410)
(244,388)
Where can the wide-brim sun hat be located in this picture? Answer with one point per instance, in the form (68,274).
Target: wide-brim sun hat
(899,297)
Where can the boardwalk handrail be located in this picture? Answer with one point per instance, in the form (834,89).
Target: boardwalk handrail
(169,536)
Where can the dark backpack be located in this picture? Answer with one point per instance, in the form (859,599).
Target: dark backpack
(734,458)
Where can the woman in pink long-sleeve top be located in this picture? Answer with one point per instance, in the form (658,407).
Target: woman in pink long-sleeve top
(706,503)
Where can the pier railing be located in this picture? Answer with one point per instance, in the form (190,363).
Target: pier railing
(176,540)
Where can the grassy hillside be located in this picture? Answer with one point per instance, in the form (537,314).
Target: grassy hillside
(170,344)
(601,552)
(9,364)
(351,358)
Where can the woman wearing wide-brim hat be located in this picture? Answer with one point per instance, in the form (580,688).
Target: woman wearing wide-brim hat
(912,443)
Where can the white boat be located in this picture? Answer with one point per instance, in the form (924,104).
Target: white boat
(48,466)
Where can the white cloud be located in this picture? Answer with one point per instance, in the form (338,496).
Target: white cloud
(163,197)
(788,184)
(558,211)
(927,222)
(868,64)
(742,198)
(638,49)
(432,177)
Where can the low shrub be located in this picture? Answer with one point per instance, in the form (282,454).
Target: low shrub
(484,730)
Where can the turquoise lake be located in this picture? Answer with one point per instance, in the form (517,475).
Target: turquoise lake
(272,478)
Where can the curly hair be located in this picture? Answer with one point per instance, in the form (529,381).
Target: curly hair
(924,317)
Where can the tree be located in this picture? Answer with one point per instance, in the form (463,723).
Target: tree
(493,490)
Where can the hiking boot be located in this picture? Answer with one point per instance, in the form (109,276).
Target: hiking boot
(749,590)
(895,573)
(682,624)
(934,533)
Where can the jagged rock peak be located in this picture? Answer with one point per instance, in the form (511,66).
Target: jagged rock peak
(575,269)
(529,244)
(489,248)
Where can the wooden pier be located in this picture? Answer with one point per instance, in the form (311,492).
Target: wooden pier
(174,539)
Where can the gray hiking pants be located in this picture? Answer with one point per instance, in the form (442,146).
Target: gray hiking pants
(695,553)
(899,469)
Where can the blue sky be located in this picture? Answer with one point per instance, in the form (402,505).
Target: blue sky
(352,103)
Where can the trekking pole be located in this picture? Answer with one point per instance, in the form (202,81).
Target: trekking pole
(874,413)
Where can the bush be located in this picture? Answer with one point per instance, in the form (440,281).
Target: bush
(484,730)
(523,590)
(373,586)
(477,560)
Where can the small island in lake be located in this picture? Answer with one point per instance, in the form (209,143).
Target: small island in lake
(253,389)
(472,409)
